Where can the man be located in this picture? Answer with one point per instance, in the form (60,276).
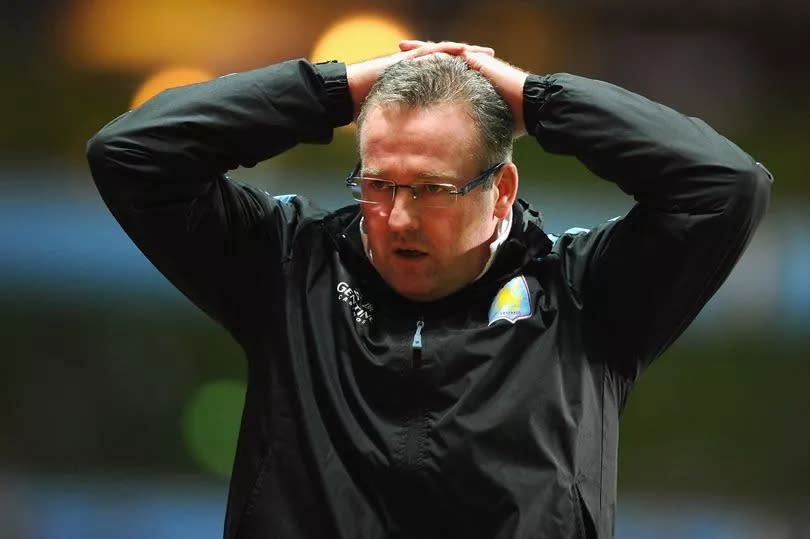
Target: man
(429,362)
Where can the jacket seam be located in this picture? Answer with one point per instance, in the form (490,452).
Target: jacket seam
(255,492)
(600,517)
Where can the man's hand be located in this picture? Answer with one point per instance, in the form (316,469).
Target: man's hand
(507,79)
(363,75)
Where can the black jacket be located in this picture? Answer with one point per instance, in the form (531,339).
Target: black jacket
(503,421)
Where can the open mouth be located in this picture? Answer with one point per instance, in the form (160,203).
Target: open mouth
(410,253)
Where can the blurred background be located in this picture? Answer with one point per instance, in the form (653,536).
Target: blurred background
(119,401)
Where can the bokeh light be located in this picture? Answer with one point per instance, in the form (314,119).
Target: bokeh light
(168,78)
(359,37)
(211,425)
(137,35)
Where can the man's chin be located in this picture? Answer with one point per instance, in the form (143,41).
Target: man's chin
(420,298)
(415,284)
(415,292)
(422,293)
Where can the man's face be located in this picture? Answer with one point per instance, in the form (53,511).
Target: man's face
(426,253)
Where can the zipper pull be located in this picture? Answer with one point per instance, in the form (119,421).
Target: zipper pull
(417,337)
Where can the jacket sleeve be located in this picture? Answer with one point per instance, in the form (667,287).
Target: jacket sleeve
(642,279)
(161,171)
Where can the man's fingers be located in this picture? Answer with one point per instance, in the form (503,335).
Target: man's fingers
(410,44)
(508,80)
(475,60)
(449,47)
(489,51)
(425,57)
(444,46)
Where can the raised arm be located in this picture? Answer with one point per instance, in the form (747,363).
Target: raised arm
(642,278)
(160,169)
(699,199)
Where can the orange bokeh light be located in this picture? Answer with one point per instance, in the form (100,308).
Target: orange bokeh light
(227,35)
(359,37)
(168,78)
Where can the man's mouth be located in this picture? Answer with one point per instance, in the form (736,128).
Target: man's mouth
(409,253)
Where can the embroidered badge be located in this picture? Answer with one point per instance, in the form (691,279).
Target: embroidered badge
(512,302)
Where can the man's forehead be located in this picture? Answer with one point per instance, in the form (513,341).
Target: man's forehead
(392,130)
(400,109)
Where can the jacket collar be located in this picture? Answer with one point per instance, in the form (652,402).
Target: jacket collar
(526,241)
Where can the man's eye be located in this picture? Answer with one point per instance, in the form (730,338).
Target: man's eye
(433,188)
(377,185)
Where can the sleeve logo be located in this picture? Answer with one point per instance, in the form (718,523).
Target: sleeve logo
(512,302)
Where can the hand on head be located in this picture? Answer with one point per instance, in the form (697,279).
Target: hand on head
(363,75)
(449,47)
(507,79)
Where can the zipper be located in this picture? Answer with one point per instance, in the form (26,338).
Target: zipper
(417,336)
(415,426)
(416,345)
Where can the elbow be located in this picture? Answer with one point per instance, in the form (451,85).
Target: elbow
(105,146)
(98,156)
(749,197)
(110,158)
(113,151)
(753,187)
(96,151)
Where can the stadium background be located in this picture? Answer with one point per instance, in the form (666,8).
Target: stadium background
(119,401)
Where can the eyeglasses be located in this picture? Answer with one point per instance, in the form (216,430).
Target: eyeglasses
(428,194)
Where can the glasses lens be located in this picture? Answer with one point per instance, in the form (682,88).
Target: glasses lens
(372,190)
(434,195)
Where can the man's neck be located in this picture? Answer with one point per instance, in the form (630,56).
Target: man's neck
(502,230)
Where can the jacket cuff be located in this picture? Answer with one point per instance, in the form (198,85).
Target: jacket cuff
(339,100)
(537,90)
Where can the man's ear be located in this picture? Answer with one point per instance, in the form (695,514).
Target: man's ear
(506,186)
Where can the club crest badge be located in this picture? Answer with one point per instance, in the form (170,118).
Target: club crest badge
(512,302)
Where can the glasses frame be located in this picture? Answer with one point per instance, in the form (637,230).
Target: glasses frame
(460,191)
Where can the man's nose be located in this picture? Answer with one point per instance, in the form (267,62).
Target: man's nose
(404,214)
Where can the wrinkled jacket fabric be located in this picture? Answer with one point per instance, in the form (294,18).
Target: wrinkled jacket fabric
(490,427)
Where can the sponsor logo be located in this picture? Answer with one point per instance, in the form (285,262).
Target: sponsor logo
(512,302)
(361,311)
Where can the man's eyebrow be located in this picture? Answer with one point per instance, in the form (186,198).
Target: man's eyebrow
(436,175)
(424,175)
(371,172)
